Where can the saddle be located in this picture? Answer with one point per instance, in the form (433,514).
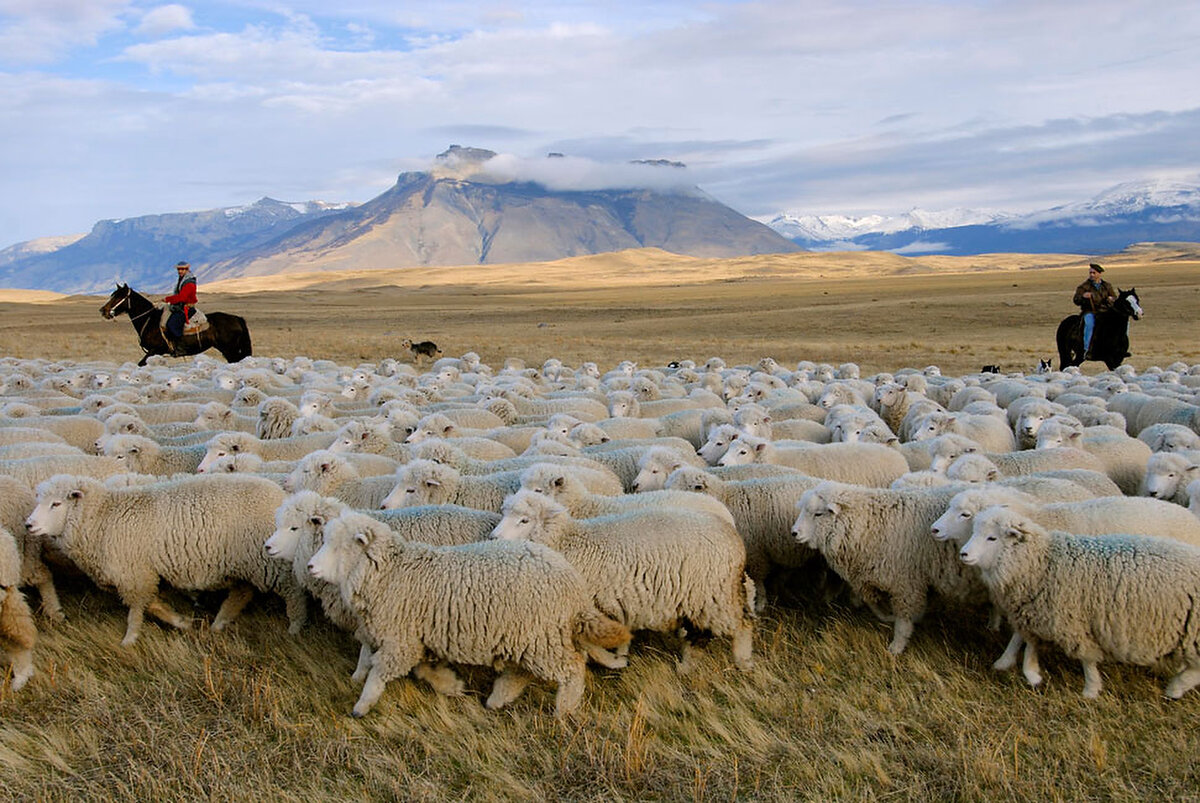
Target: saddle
(196,322)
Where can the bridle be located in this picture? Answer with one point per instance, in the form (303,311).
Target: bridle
(141,329)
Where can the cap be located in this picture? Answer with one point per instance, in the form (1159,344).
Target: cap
(182,264)
(1096,268)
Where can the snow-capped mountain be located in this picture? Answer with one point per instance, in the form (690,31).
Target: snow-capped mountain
(1142,211)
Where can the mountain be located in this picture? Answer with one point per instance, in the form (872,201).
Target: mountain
(470,208)
(141,250)
(1145,211)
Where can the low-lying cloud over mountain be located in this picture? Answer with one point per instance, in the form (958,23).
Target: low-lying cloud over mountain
(1145,211)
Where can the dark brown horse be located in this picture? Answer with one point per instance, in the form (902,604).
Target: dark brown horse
(226,333)
(1110,339)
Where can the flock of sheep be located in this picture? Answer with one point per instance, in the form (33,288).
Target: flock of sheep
(535,519)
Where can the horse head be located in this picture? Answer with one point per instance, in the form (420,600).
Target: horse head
(118,302)
(1131,302)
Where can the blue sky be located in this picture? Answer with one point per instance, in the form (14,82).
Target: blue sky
(111,108)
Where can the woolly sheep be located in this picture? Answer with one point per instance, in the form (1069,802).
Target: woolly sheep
(989,432)
(1168,475)
(859,463)
(331,474)
(10,436)
(520,606)
(216,416)
(657,463)
(424,482)
(17,501)
(18,633)
(370,437)
(1027,415)
(1127,598)
(80,431)
(878,541)
(1124,458)
(276,416)
(763,511)
(145,456)
(648,569)
(32,470)
(195,533)
(561,484)
(1165,438)
(292,448)
(598,478)
(1193,492)
(977,468)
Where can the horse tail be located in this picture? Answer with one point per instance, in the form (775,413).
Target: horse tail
(244,348)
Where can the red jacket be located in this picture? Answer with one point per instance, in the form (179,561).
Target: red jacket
(185,294)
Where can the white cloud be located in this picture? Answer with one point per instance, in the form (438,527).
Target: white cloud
(570,173)
(41,31)
(162,20)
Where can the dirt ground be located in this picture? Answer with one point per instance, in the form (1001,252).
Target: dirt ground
(879,310)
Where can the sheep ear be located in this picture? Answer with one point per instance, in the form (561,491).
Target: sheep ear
(1016,534)
(760,447)
(433,484)
(447,429)
(366,434)
(318,520)
(75,494)
(833,508)
(325,467)
(362,538)
(559,482)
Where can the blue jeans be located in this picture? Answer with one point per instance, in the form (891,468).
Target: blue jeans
(175,324)
(1089,324)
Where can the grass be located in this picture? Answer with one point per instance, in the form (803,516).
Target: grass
(254,713)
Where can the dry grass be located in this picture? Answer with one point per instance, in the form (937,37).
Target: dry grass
(827,714)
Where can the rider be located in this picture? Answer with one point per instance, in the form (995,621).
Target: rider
(181,301)
(1092,296)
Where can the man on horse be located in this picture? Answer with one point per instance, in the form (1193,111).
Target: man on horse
(1091,296)
(182,301)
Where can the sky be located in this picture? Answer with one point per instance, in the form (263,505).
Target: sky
(121,108)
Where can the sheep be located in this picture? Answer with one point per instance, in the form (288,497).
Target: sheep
(1164,438)
(624,404)
(10,436)
(1093,516)
(146,456)
(331,474)
(656,464)
(763,511)
(32,470)
(878,541)
(17,501)
(217,417)
(1168,475)
(1124,458)
(598,478)
(859,463)
(988,431)
(80,431)
(370,437)
(1193,492)
(1128,598)
(300,530)
(892,400)
(649,569)
(1026,415)
(276,416)
(438,425)
(195,533)
(519,606)
(1035,460)
(423,482)
(719,438)
(18,634)
(292,448)
(977,468)
(561,484)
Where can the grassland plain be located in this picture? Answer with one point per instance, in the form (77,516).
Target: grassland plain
(827,714)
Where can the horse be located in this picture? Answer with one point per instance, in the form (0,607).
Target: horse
(226,333)
(1110,338)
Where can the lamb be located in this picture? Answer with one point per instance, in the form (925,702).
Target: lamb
(1094,516)
(858,463)
(878,541)
(763,511)
(146,456)
(656,464)
(561,484)
(1168,475)
(300,531)
(192,532)
(648,569)
(1128,598)
(18,634)
(331,474)
(1124,458)
(520,606)
(1027,416)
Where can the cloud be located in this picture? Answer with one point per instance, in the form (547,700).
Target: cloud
(39,31)
(165,19)
(563,173)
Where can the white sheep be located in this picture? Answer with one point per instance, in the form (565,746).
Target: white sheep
(649,569)
(80,431)
(331,474)
(1169,473)
(656,464)
(32,470)
(978,468)
(370,437)
(518,606)
(424,482)
(598,478)
(990,432)
(18,634)
(276,416)
(1124,458)
(145,456)
(1169,438)
(17,501)
(878,541)
(195,533)
(859,463)
(291,448)
(1193,492)
(1127,598)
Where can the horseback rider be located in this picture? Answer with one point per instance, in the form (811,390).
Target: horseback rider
(181,301)
(1091,296)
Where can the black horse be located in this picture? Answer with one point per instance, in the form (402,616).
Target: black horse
(226,333)
(1110,338)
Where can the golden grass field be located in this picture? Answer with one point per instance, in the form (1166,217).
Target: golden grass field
(827,714)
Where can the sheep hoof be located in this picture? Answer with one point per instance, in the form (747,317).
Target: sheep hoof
(1034,679)
(129,641)
(359,675)
(358,714)
(1004,663)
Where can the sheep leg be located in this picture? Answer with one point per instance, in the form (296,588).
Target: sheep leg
(1008,659)
(743,646)
(1092,682)
(20,633)
(296,603)
(443,679)
(1029,667)
(364,663)
(1187,678)
(902,630)
(606,658)
(165,613)
(372,690)
(235,601)
(507,687)
(50,603)
(133,623)
(570,691)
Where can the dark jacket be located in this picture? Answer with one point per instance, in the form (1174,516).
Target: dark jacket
(1102,298)
(184,297)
